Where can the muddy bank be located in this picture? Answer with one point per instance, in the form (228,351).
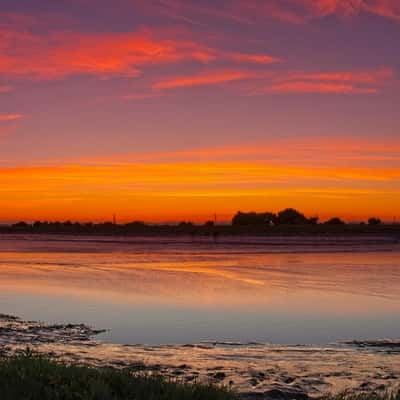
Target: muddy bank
(14,331)
(254,370)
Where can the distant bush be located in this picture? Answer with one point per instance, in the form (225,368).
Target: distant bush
(374,221)
(334,221)
(289,216)
(253,218)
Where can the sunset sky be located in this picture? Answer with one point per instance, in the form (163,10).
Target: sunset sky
(169,110)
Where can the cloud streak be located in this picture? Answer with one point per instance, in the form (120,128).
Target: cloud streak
(213,78)
(5,89)
(289,11)
(333,82)
(318,87)
(300,152)
(10,117)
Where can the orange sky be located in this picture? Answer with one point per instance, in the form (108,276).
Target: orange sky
(352,182)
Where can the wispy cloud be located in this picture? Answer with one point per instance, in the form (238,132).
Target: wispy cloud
(315,87)
(339,82)
(5,89)
(372,77)
(385,8)
(290,11)
(306,151)
(210,78)
(10,117)
(270,81)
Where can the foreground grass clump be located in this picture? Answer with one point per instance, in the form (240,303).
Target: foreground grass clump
(33,377)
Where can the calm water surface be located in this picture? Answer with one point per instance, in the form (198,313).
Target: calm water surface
(161,291)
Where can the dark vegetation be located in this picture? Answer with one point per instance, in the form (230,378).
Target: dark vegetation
(33,377)
(285,222)
(30,376)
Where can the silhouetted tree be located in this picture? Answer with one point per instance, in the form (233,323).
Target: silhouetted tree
(374,221)
(334,221)
(185,224)
(21,224)
(290,216)
(37,225)
(135,224)
(253,218)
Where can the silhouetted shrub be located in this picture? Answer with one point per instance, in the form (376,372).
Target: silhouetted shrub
(374,221)
(334,221)
(253,218)
(290,216)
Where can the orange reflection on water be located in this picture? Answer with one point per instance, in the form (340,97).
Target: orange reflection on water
(339,283)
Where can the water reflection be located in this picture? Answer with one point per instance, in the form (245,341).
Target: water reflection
(169,294)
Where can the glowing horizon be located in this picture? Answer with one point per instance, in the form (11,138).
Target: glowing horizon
(196,184)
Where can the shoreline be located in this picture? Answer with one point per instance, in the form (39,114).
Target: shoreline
(214,232)
(303,244)
(253,369)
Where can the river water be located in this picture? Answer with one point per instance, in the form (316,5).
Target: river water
(183,290)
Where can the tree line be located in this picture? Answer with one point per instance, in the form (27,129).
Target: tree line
(288,216)
(242,222)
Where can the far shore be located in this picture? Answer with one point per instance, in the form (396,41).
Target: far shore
(213,231)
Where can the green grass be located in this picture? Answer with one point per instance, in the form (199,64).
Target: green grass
(33,377)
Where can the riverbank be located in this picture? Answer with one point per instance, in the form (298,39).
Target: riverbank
(251,370)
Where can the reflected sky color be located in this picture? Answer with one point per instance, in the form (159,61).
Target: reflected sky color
(207,107)
(150,293)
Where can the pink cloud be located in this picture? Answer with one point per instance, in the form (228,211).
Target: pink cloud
(318,87)
(61,54)
(10,117)
(385,8)
(340,82)
(5,89)
(251,58)
(212,78)
(292,11)
(308,9)
(373,77)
